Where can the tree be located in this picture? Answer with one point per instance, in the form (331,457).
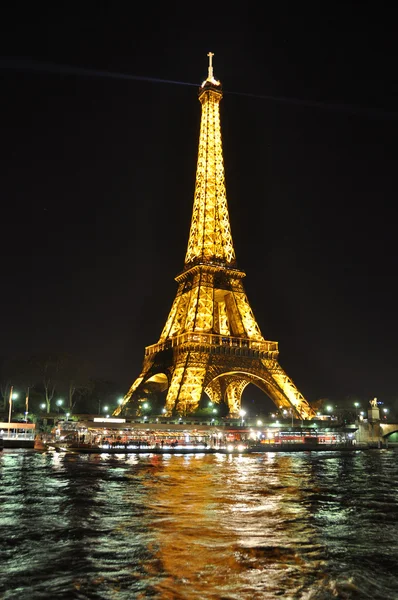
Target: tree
(75,379)
(48,368)
(104,393)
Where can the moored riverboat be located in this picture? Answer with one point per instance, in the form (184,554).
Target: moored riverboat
(145,448)
(117,448)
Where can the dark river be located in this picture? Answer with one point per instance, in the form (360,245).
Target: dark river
(310,525)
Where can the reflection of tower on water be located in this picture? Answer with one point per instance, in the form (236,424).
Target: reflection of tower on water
(210,529)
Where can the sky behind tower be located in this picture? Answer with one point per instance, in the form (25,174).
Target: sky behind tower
(99,172)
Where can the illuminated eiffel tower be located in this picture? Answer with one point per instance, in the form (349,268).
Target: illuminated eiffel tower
(211,341)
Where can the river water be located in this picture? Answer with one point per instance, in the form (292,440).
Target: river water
(307,525)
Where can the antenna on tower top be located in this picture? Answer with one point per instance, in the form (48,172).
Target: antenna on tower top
(210,75)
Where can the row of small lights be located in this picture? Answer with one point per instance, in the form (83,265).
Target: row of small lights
(356,404)
(60,402)
(242,413)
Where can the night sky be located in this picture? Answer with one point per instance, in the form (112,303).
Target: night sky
(98,177)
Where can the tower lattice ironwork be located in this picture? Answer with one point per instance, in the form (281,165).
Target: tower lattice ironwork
(211,341)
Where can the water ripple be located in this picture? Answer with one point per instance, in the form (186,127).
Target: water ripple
(307,526)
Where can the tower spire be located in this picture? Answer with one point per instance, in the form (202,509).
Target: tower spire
(210,239)
(210,75)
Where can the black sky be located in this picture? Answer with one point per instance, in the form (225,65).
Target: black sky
(98,177)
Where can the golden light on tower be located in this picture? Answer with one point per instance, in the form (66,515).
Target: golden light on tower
(211,341)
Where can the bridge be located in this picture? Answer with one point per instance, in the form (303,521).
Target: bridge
(373,431)
(387,429)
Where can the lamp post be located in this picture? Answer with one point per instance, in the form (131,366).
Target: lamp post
(27,403)
(9,410)
(146,408)
(242,414)
(290,412)
(13,396)
(59,403)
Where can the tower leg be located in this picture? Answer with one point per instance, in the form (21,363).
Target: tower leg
(127,397)
(290,397)
(214,391)
(234,395)
(144,375)
(186,384)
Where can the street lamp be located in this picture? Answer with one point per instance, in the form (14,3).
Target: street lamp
(146,408)
(120,401)
(242,414)
(67,415)
(59,403)
(43,405)
(12,396)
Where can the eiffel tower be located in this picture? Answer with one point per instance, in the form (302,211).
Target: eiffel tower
(211,341)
